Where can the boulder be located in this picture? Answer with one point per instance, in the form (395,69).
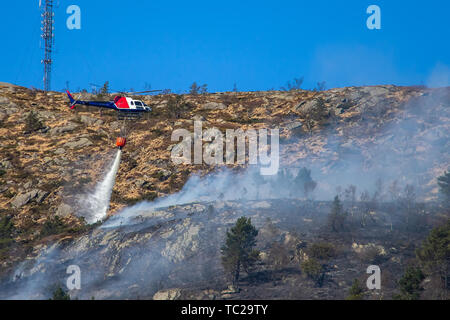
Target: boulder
(164,174)
(375,91)
(64,210)
(46,115)
(293,125)
(28,185)
(80,143)
(185,243)
(60,151)
(213,106)
(169,294)
(90,121)
(41,195)
(143,184)
(67,128)
(307,106)
(35,195)
(7,107)
(198,118)
(229,291)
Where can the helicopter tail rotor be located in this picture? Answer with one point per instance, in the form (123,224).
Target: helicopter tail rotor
(73,102)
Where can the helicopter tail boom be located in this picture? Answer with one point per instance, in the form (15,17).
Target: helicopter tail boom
(72,100)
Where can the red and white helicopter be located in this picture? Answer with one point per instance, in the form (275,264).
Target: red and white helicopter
(124,105)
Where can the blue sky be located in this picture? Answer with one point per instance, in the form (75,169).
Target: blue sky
(258,45)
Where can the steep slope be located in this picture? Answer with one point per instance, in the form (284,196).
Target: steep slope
(347,135)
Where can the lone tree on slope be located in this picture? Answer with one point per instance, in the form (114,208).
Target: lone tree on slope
(238,250)
(337,216)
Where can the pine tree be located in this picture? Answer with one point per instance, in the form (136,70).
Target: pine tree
(304,181)
(194,88)
(238,251)
(337,215)
(105,88)
(410,284)
(434,254)
(444,186)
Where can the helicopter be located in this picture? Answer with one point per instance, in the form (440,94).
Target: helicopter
(124,105)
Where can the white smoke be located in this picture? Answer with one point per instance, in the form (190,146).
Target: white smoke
(95,205)
(224,185)
(439,77)
(395,156)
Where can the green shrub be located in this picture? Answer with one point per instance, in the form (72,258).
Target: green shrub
(6,234)
(278,255)
(149,196)
(356,291)
(60,294)
(159,175)
(177,106)
(157,132)
(56,225)
(228,99)
(6,227)
(9,194)
(322,250)
(313,269)
(53,226)
(410,284)
(52,185)
(32,122)
(372,255)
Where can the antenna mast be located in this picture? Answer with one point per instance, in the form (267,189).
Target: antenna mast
(48,36)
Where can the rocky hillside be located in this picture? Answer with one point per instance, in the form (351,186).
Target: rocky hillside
(173,253)
(51,156)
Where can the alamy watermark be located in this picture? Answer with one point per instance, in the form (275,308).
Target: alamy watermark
(374,20)
(374,281)
(74,280)
(213,153)
(74,20)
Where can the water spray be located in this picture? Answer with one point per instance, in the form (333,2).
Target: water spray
(96,204)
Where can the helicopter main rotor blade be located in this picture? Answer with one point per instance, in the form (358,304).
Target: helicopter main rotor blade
(135,92)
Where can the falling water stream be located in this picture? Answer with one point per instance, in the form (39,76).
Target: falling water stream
(96,204)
